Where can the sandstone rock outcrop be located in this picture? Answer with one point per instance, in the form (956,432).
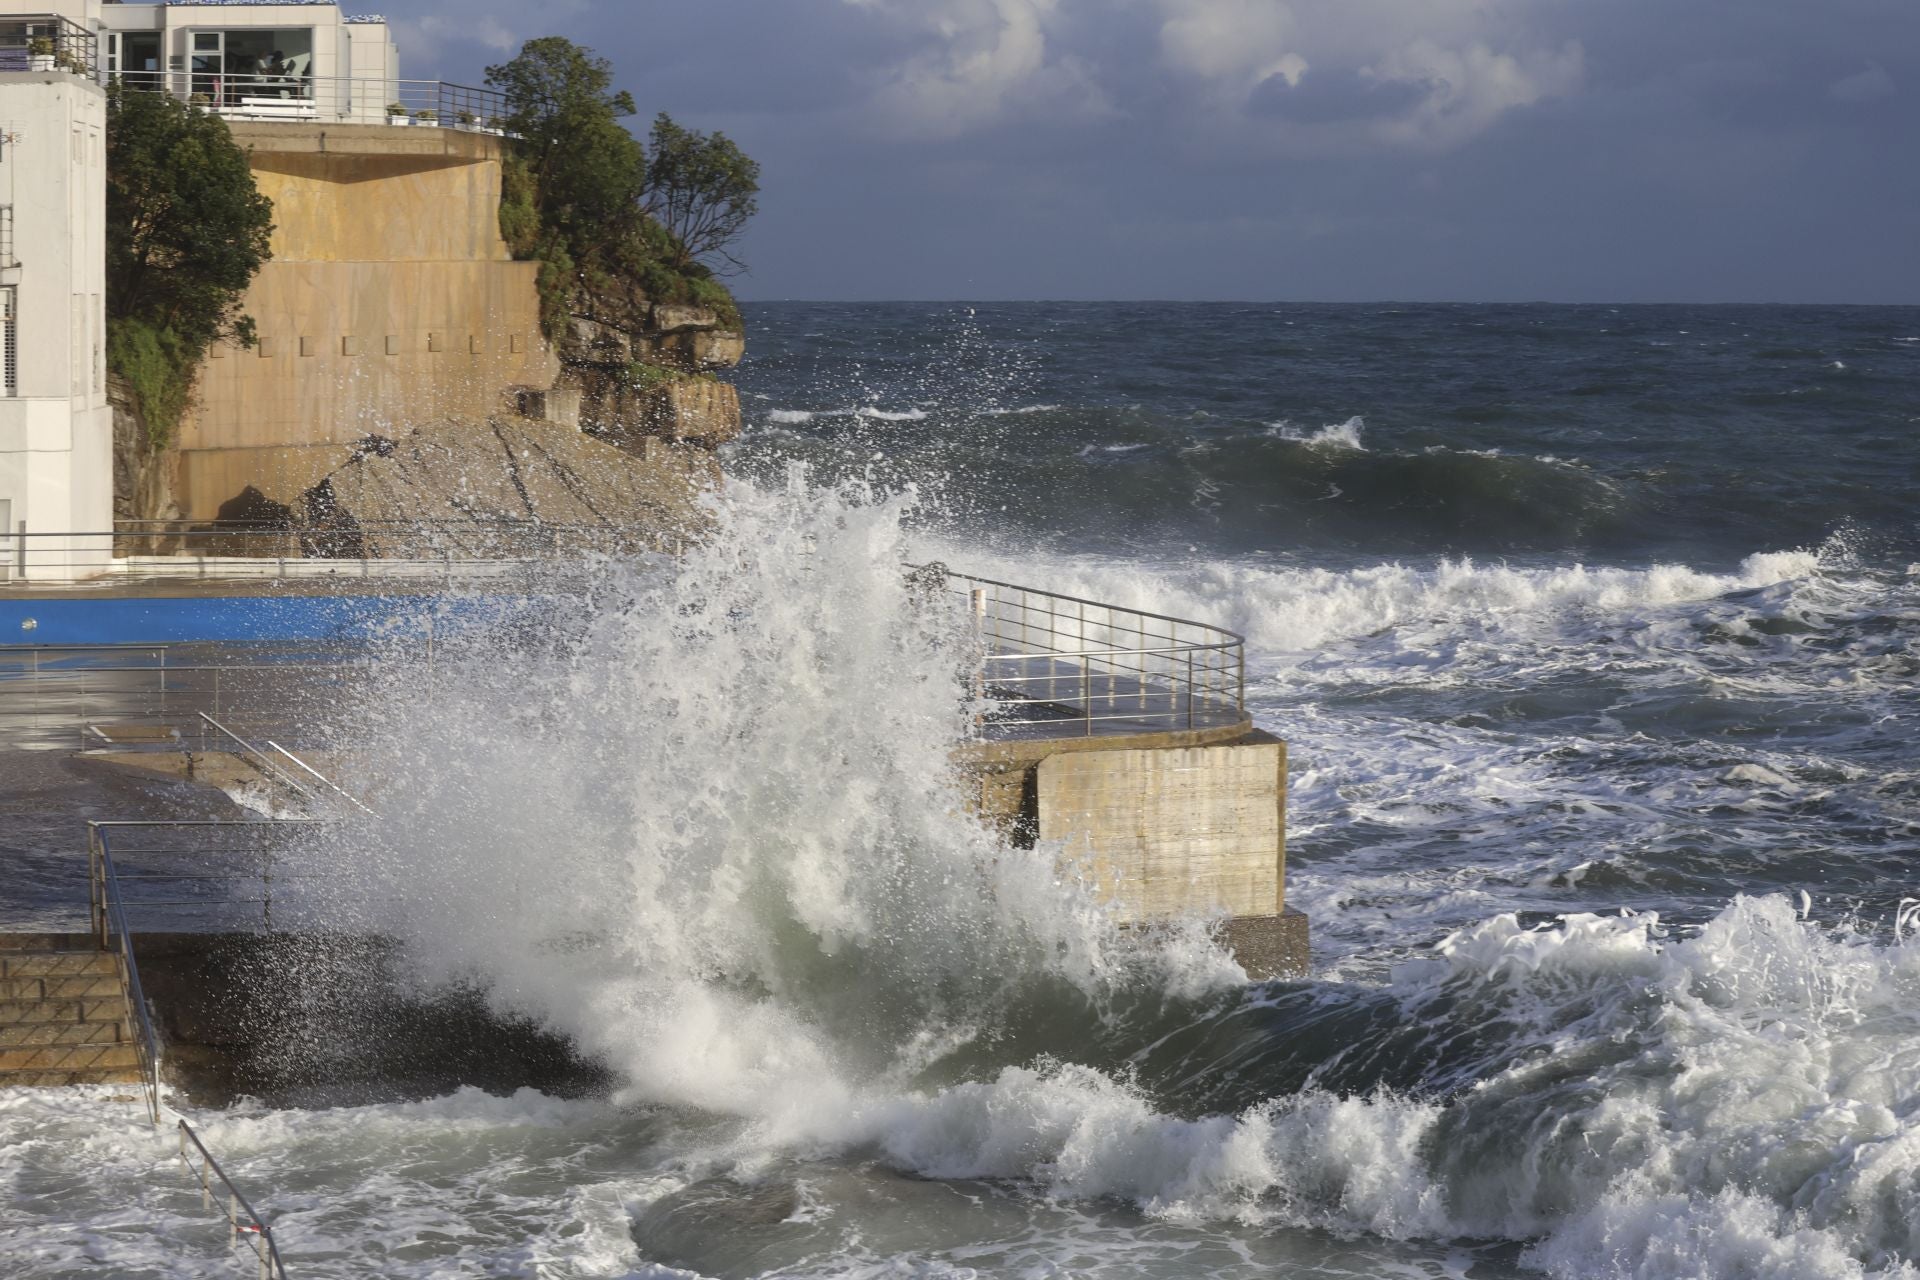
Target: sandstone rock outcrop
(643,369)
(506,487)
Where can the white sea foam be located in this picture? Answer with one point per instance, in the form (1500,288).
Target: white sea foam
(1299,610)
(1339,435)
(1741,1108)
(871,412)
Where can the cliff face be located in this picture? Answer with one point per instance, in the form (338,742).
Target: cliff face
(392,305)
(645,369)
(142,474)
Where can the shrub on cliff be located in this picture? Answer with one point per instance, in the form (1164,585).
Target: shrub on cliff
(580,195)
(186,231)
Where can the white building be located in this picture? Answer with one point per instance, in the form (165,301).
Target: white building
(302,61)
(56,431)
(287,61)
(263,61)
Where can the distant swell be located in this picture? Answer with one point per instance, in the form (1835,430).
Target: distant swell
(1123,479)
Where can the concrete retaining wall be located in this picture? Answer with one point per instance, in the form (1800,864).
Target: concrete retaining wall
(1158,833)
(390,301)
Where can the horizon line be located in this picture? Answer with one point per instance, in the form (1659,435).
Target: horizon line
(1309,302)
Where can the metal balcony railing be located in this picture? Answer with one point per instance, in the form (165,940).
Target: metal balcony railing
(297,97)
(47,42)
(6,239)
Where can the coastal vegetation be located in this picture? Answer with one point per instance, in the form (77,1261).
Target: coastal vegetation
(187,229)
(612,220)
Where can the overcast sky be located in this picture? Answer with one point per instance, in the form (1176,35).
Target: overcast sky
(1567,150)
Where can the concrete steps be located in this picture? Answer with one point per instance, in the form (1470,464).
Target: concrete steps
(64,1014)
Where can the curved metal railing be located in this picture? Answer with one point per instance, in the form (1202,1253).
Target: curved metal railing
(1051,665)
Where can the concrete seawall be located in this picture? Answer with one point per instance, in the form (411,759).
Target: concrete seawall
(1180,822)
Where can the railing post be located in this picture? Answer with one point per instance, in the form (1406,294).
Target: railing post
(1189,688)
(96,886)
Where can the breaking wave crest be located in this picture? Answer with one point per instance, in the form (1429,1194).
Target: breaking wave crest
(1632,1102)
(1294,610)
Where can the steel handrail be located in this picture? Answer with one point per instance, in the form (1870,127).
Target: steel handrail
(323,779)
(1100,604)
(1125,667)
(254,1228)
(1117,651)
(273,771)
(110,923)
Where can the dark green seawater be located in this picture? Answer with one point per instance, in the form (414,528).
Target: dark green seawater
(1604,434)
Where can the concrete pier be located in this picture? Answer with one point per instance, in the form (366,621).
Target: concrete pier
(1174,823)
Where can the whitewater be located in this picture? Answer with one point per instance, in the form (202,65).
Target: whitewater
(1608,849)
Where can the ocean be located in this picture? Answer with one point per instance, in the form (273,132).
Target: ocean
(1593,633)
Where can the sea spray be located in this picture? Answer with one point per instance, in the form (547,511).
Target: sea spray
(707,825)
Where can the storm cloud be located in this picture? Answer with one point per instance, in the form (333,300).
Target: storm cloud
(1635,150)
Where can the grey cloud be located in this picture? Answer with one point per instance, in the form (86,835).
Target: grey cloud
(1636,149)
(1864,86)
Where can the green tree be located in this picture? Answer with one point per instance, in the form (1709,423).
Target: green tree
(585,173)
(186,231)
(576,193)
(702,188)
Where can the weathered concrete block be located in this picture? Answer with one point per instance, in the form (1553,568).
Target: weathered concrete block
(1270,946)
(555,404)
(1172,832)
(698,409)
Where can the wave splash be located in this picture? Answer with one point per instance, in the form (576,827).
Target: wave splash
(708,826)
(709,829)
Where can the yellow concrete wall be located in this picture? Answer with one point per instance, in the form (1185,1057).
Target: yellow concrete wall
(1173,832)
(390,301)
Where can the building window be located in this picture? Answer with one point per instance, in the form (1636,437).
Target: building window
(9,345)
(230,67)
